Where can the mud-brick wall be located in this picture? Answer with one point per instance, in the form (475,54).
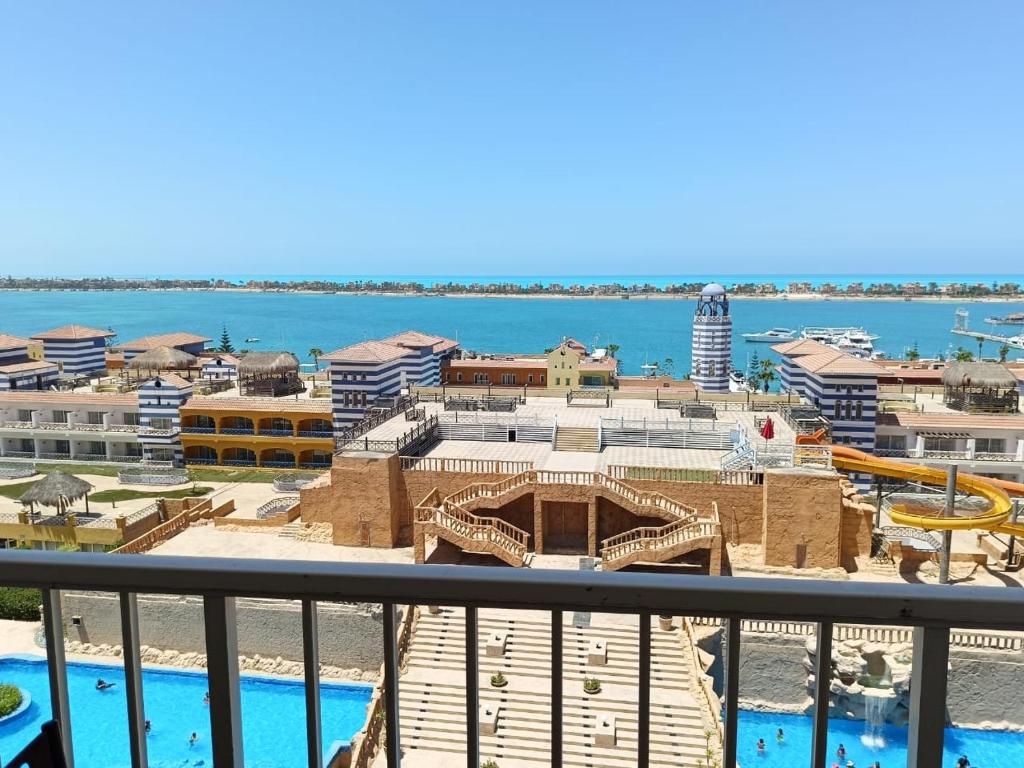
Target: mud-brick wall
(350,633)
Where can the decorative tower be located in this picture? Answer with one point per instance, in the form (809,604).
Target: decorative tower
(712,340)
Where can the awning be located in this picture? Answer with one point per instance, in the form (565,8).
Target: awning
(945,435)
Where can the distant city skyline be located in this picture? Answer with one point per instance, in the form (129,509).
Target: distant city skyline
(587,138)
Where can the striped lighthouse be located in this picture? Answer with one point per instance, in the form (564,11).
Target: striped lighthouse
(712,340)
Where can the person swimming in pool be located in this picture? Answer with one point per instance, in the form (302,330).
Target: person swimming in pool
(102,685)
(760,746)
(841,752)
(193,739)
(149,726)
(779,736)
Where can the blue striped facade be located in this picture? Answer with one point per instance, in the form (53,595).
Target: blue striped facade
(78,357)
(793,376)
(40,378)
(159,404)
(12,355)
(355,385)
(711,344)
(219,369)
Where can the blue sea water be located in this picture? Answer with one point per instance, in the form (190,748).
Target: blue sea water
(985,749)
(273,716)
(646,330)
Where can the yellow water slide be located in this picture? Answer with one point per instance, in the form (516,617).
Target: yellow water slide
(996,517)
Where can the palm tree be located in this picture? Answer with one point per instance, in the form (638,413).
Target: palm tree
(612,349)
(1004,350)
(964,355)
(669,365)
(767,373)
(316,353)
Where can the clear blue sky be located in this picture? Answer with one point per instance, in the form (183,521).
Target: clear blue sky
(508,137)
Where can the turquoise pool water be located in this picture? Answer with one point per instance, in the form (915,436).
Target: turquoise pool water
(273,715)
(986,749)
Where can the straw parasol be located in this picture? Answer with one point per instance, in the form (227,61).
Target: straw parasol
(162,359)
(267,363)
(57,489)
(984,375)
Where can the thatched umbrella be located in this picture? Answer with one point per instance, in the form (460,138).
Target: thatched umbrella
(163,359)
(267,363)
(57,489)
(980,374)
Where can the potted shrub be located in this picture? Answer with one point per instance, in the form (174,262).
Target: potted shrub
(498,680)
(488,764)
(591,685)
(665,622)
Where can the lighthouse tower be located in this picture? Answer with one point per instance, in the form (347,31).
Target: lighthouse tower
(712,340)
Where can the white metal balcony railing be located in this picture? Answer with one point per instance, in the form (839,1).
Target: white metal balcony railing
(932,611)
(63,426)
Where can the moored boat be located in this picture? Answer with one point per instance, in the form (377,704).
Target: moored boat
(771,336)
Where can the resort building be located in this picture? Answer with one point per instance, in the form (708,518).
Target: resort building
(191,343)
(19,371)
(257,432)
(160,401)
(712,340)
(69,426)
(497,370)
(567,366)
(76,349)
(219,366)
(363,373)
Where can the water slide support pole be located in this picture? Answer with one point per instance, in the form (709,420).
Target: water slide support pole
(1013,539)
(947,536)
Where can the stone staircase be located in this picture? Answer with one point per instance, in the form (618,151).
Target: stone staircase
(658,545)
(432,695)
(291,530)
(577,439)
(472,534)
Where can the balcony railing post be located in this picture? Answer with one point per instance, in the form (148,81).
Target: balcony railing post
(393,740)
(222,670)
(928,696)
(53,629)
(822,687)
(556,689)
(472,690)
(732,690)
(643,747)
(311,669)
(131,654)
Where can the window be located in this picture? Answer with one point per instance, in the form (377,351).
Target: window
(711,368)
(481,378)
(542,378)
(891,442)
(558,382)
(458,376)
(849,410)
(59,416)
(990,445)
(94,417)
(508,378)
(944,444)
(860,409)
(529,378)
(160,423)
(131,418)
(25,414)
(837,409)
(363,377)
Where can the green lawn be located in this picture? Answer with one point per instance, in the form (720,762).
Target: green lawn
(207,474)
(15,490)
(126,495)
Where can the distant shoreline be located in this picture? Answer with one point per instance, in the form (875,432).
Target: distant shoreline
(652,296)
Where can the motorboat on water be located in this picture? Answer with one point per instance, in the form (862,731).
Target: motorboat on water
(1014,318)
(851,340)
(771,336)
(738,382)
(252,339)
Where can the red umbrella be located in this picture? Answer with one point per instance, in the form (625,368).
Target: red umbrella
(768,430)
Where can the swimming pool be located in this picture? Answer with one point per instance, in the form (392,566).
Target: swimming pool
(273,715)
(986,749)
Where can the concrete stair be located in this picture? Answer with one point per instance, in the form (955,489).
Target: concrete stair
(291,530)
(432,695)
(577,439)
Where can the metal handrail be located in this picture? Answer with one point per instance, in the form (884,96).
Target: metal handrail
(932,609)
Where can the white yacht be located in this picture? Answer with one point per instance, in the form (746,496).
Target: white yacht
(771,336)
(738,382)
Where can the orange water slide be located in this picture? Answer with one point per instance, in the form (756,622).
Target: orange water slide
(996,517)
